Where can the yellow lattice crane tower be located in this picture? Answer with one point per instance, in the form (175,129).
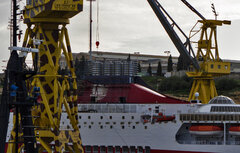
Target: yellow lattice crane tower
(210,64)
(208,59)
(46,22)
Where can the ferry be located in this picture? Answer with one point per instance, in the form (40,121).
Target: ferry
(154,123)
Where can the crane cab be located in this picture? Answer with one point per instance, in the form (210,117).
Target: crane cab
(54,9)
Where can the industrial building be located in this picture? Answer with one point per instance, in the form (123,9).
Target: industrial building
(143,59)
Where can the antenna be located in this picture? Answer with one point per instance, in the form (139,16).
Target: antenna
(90,30)
(214,11)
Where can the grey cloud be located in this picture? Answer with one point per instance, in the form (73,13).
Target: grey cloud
(131,25)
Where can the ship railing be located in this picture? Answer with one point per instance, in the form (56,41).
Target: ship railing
(202,142)
(233,142)
(108,108)
(213,117)
(206,142)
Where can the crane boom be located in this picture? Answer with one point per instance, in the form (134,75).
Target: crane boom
(193,9)
(159,11)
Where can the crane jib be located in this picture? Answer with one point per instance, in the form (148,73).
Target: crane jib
(171,33)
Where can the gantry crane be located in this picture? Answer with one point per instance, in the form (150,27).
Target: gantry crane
(206,64)
(46,31)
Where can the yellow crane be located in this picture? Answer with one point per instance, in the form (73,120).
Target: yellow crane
(46,22)
(206,64)
(210,64)
(208,58)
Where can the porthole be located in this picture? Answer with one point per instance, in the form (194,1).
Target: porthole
(212,66)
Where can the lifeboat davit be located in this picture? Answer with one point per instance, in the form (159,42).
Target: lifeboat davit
(234,130)
(205,130)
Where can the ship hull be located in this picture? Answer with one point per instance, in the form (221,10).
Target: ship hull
(104,126)
(119,129)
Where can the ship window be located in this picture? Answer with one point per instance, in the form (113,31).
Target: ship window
(101,126)
(123,117)
(111,127)
(80,117)
(226,67)
(88,149)
(132,149)
(93,99)
(101,117)
(212,66)
(68,127)
(79,126)
(133,127)
(147,149)
(102,149)
(122,127)
(85,122)
(89,117)
(132,117)
(225,109)
(89,126)
(110,149)
(125,149)
(122,99)
(110,117)
(139,149)
(219,66)
(67,117)
(145,127)
(95,149)
(114,122)
(117,149)
(156,109)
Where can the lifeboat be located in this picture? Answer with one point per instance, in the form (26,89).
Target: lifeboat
(234,130)
(163,118)
(205,130)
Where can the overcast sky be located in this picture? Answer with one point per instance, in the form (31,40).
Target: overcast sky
(131,26)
